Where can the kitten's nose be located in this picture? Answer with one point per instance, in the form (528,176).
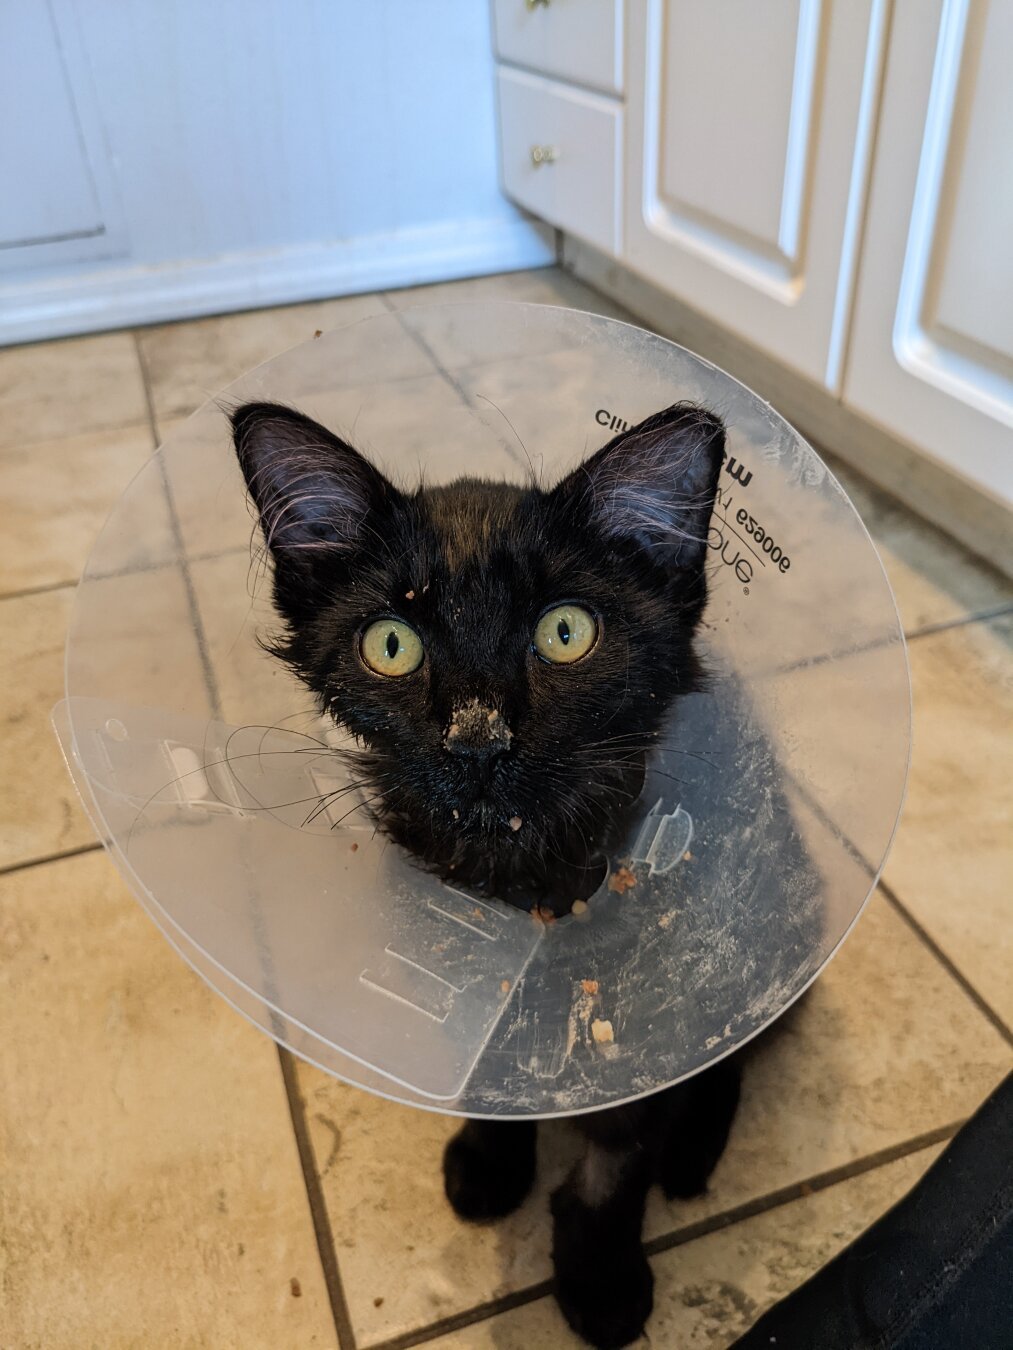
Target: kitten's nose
(477,731)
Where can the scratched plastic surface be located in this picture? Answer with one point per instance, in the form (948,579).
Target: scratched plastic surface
(768,807)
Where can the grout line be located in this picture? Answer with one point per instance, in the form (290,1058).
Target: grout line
(799,1190)
(207,668)
(8,869)
(878,644)
(680,1236)
(47,589)
(466,399)
(318,1212)
(948,965)
(944,625)
(482,1312)
(317,1204)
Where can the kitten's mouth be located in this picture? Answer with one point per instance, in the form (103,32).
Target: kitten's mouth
(500,834)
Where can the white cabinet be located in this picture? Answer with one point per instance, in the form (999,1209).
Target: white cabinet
(829,183)
(747,133)
(931,350)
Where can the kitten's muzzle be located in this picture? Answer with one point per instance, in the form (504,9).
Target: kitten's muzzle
(477,732)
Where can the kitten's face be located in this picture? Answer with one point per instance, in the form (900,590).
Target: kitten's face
(505,656)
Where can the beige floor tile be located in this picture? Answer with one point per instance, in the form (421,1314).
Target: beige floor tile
(151,1186)
(138,649)
(52,389)
(38,804)
(708,1292)
(458,344)
(57,496)
(885,1048)
(207,487)
(934,579)
(188,363)
(952,862)
(234,600)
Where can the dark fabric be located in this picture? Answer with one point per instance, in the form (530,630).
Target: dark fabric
(934,1273)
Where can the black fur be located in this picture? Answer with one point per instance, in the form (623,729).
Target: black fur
(472,567)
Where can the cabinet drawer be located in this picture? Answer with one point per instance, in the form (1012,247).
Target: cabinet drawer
(578,138)
(578,40)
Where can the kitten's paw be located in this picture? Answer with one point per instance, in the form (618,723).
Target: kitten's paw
(487,1173)
(609,1301)
(604,1284)
(684,1177)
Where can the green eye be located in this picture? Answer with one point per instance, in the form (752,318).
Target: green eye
(565,634)
(390,647)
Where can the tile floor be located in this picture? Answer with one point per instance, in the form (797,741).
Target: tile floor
(167,1179)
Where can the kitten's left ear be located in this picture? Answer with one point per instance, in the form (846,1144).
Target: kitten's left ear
(655,484)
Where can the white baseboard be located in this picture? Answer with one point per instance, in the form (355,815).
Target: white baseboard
(125,295)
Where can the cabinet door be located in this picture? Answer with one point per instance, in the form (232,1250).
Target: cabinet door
(931,350)
(48,192)
(748,133)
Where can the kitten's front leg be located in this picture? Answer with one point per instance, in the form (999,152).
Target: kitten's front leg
(604,1284)
(489,1168)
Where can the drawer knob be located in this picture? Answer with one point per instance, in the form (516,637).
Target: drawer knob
(533,4)
(543,154)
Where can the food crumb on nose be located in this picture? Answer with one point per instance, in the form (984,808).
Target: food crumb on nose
(578,907)
(456,814)
(515,823)
(601,1031)
(589,986)
(409,595)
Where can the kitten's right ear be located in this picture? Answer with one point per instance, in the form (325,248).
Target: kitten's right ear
(314,493)
(655,484)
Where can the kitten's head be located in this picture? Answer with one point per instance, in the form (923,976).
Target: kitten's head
(506,656)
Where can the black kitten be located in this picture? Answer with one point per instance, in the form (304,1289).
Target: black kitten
(506,657)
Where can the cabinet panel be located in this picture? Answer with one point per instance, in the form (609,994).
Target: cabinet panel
(931,354)
(48,190)
(579,40)
(725,184)
(748,134)
(966,305)
(560,154)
